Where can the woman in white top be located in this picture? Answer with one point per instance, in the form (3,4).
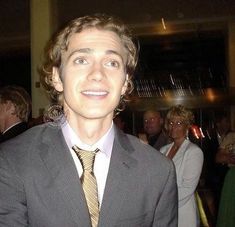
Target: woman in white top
(188,160)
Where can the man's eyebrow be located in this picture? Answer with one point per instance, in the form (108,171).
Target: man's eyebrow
(115,53)
(89,51)
(82,50)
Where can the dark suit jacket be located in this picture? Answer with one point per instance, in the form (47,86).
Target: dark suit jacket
(161,141)
(40,187)
(14,131)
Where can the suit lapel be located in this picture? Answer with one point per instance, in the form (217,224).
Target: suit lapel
(116,189)
(60,165)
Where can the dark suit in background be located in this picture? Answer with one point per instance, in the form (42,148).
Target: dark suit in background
(158,141)
(14,131)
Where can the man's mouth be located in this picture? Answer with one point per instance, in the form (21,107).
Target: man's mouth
(95,93)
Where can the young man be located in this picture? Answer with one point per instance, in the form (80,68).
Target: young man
(88,71)
(15,108)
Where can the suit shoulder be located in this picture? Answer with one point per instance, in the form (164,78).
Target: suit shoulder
(149,155)
(29,134)
(25,141)
(139,145)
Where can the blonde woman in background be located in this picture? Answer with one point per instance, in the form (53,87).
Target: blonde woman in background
(188,160)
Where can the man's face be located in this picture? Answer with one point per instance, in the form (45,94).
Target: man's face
(152,123)
(92,74)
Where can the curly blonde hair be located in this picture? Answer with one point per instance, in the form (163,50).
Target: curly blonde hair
(179,111)
(60,42)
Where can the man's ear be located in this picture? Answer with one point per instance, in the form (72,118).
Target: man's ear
(125,85)
(58,85)
(10,107)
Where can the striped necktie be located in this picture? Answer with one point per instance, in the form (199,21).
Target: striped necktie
(89,183)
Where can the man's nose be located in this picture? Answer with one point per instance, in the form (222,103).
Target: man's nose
(147,123)
(97,73)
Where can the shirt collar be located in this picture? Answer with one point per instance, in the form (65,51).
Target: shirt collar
(12,126)
(105,143)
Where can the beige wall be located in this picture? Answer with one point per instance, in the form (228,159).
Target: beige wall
(40,33)
(231,65)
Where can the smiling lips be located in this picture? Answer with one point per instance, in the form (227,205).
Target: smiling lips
(95,93)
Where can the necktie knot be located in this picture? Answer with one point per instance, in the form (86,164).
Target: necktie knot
(87,158)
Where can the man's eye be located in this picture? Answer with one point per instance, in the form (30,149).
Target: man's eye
(80,61)
(113,63)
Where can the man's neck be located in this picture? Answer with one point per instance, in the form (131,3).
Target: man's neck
(90,131)
(156,135)
(153,138)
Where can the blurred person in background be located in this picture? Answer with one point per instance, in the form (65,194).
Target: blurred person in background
(226,157)
(188,160)
(220,136)
(153,124)
(225,137)
(15,108)
(122,121)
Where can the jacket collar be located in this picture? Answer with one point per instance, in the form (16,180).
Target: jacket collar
(56,157)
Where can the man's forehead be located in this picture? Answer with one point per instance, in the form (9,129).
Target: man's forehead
(95,36)
(151,114)
(92,41)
